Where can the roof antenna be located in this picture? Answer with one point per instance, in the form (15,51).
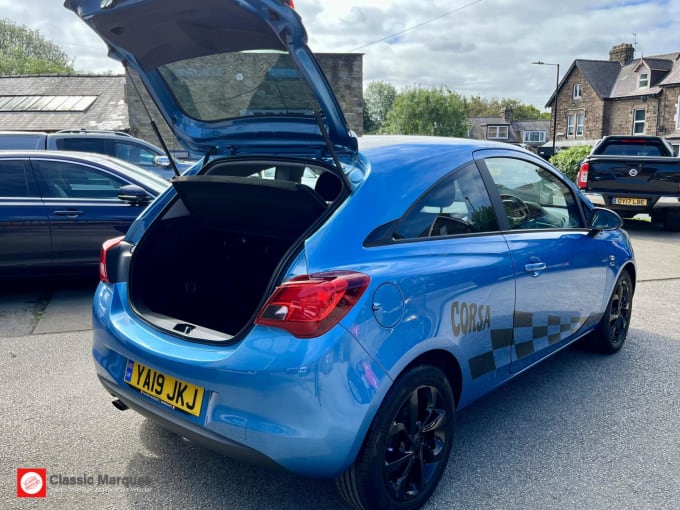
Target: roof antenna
(635,44)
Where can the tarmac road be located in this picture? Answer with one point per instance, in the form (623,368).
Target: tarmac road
(578,431)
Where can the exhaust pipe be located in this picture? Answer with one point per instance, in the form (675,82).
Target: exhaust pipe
(120,405)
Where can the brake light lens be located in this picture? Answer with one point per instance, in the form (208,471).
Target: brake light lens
(106,246)
(308,306)
(582,177)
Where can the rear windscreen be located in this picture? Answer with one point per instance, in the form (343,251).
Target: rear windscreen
(239,84)
(632,149)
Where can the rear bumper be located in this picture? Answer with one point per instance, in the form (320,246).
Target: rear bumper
(271,400)
(168,420)
(653,202)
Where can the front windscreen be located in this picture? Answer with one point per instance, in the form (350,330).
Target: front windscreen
(230,85)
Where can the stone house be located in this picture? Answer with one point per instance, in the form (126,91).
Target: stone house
(110,102)
(620,96)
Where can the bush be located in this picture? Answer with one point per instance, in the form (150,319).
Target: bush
(568,161)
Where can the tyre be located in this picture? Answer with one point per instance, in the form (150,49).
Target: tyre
(672,221)
(611,332)
(407,446)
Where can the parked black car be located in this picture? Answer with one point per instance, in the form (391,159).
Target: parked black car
(56,208)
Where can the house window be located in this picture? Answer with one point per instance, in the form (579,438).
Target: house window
(677,114)
(579,124)
(571,121)
(643,80)
(638,122)
(497,132)
(576,94)
(534,136)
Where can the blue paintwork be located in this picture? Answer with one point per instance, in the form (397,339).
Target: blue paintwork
(248,134)
(484,306)
(307,404)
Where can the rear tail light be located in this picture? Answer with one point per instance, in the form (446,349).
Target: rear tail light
(310,305)
(103,273)
(582,177)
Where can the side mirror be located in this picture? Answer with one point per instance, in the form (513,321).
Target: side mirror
(161,161)
(605,219)
(133,194)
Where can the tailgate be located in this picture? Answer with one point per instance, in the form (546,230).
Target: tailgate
(631,175)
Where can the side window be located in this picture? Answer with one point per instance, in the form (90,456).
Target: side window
(532,197)
(134,153)
(71,180)
(17,181)
(81,144)
(458,204)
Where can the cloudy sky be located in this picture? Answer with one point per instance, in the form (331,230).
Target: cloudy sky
(474,47)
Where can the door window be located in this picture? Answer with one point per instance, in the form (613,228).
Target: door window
(134,153)
(65,179)
(81,144)
(533,198)
(17,180)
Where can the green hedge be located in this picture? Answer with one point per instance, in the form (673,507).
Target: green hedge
(569,160)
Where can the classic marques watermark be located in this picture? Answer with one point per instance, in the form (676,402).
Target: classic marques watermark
(34,483)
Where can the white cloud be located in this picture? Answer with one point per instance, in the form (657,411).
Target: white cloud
(485,48)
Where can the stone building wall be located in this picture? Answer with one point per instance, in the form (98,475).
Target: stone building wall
(621,111)
(668,111)
(344,71)
(588,104)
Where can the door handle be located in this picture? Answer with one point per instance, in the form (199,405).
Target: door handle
(535,268)
(71,213)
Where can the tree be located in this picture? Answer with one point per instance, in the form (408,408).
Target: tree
(378,101)
(420,111)
(480,107)
(26,51)
(568,161)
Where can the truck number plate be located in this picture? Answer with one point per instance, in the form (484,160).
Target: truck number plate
(629,201)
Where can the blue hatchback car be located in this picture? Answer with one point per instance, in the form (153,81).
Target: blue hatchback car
(320,303)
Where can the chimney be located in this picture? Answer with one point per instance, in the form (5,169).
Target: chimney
(507,114)
(622,53)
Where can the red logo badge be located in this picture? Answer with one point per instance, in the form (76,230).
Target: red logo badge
(31,482)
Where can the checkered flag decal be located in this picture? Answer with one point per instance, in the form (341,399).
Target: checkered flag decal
(532,332)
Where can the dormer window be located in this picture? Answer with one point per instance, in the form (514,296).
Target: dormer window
(497,132)
(643,80)
(534,137)
(576,91)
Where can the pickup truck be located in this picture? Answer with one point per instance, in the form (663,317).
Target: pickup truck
(112,143)
(634,175)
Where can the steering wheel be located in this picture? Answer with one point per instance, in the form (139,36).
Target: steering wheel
(516,209)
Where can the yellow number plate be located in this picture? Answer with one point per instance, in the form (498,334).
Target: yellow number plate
(179,394)
(630,201)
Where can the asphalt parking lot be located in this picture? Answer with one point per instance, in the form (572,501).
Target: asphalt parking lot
(579,431)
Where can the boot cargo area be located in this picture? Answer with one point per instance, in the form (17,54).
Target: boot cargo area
(204,267)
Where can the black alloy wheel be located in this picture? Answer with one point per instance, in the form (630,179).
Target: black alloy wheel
(611,332)
(407,447)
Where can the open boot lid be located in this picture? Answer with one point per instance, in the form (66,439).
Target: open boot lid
(231,77)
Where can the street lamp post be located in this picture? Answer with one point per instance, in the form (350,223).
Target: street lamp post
(557,86)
